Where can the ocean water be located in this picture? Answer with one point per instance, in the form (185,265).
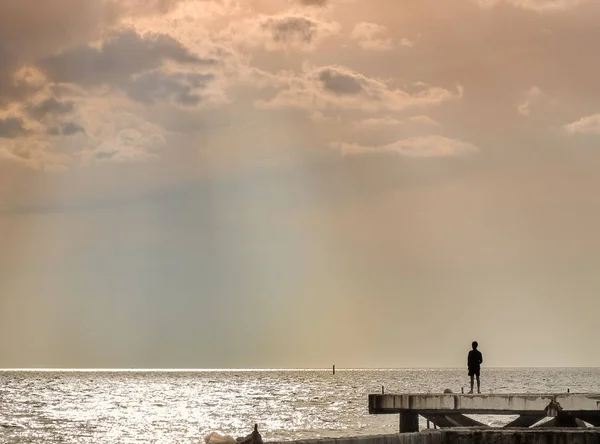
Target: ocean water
(184,406)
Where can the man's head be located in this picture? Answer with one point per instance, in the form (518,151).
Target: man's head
(474,344)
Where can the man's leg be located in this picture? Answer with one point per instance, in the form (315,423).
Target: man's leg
(478,384)
(471,392)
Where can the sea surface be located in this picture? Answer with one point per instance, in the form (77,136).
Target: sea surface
(184,406)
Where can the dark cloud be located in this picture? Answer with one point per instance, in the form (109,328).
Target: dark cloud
(160,85)
(71,128)
(133,63)
(291,29)
(33,27)
(117,59)
(50,106)
(105,155)
(147,7)
(68,129)
(313,2)
(11,127)
(340,82)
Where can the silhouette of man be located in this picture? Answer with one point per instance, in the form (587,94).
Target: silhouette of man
(474,362)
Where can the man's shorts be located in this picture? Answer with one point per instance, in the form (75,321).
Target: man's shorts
(474,372)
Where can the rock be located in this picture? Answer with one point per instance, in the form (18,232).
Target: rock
(215,438)
(252,438)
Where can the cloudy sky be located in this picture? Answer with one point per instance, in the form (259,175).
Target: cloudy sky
(299,183)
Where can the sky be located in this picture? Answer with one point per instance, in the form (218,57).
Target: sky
(299,183)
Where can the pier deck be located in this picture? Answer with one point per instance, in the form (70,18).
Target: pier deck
(449,410)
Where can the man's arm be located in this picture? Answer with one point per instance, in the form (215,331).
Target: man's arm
(480,358)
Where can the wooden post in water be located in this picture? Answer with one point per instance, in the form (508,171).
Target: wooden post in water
(334,369)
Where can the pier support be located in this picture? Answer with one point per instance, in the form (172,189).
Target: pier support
(525,421)
(564,421)
(453,420)
(409,422)
(593,419)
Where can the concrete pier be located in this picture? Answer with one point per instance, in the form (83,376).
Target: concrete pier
(523,436)
(470,436)
(448,410)
(406,438)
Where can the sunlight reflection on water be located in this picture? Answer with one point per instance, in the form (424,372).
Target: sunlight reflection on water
(184,406)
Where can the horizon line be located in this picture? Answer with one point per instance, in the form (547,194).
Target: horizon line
(258,369)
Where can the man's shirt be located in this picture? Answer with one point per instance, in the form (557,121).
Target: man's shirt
(475,359)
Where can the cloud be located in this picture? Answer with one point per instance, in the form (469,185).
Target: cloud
(118,58)
(118,136)
(32,26)
(313,2)
(49,106)
(585,125)
(90,102)
(338,87)
(33,153)
(535,5)
(147,68)
(80,128)
(280,32)
(67,129)
(368,36)
(525,107)
(70,128)
(340,82)
(423,120)
(32,29)
(147,7)
(388,121)
(428,146)
(318,3)
(11,127)
(380,122)
(180,88)
(291,29)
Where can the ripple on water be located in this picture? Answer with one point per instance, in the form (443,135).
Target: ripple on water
(166,407)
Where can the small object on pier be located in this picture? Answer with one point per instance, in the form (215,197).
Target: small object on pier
(448,391)
(382,390)
(462,390)
(334,369)
(568,390)
(427,423)
(553,408)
